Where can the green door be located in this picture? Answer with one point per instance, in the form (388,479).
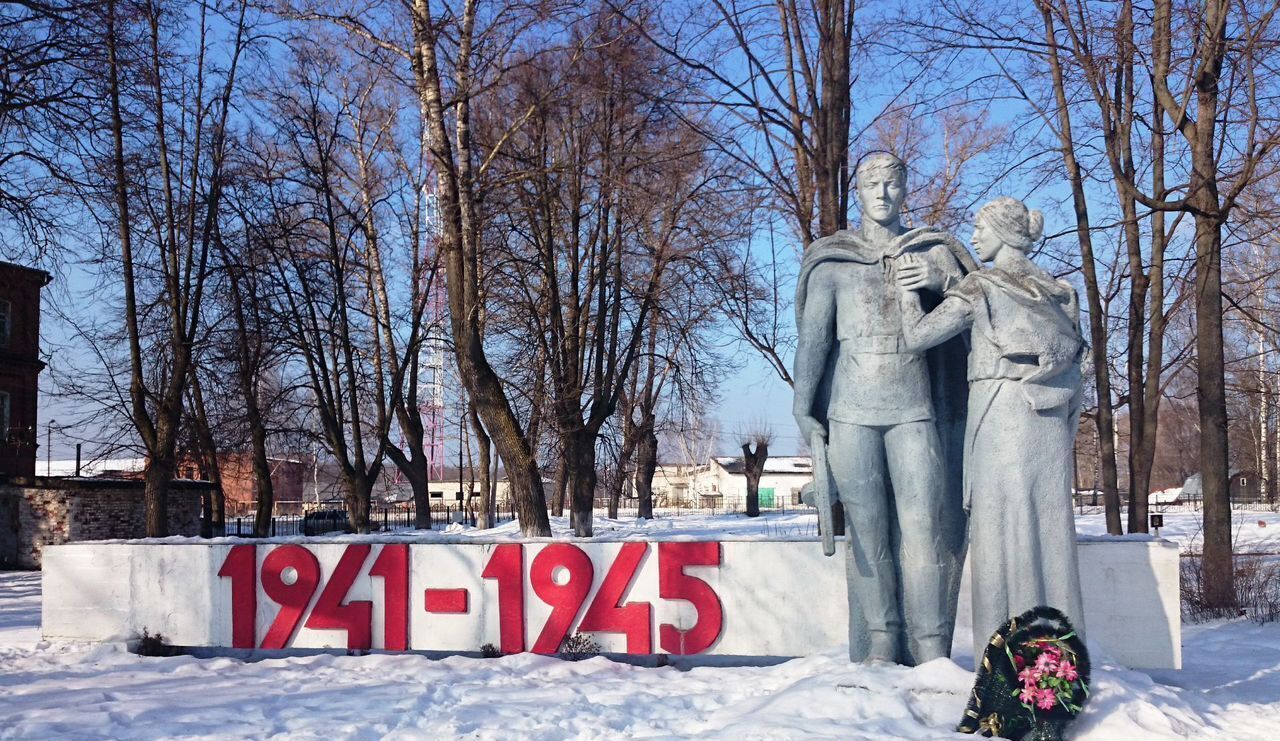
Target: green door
(766,496)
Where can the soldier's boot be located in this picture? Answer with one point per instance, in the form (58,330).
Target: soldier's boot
(926,607)
(884,626)
(884,646)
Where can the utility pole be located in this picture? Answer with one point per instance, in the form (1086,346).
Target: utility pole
(48,447)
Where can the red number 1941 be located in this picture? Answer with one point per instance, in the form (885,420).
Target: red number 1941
(290,577)
(330,612)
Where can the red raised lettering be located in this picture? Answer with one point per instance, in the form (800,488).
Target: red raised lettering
(392,565)
(506,565)
(607,614)
(241,567)
(673,583)
(292,598)
(565,599)
(331,613)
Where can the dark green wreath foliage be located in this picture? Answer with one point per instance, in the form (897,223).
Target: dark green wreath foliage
(994,708)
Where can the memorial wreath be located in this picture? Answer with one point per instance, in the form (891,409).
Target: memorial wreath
(1032,681)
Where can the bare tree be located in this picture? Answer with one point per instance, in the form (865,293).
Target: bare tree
(1108,59)
(1255,135)
(323,249)
(1192,54)
(779,79)
(678,375)
(450,57)
(614,192)
(409,331)
(244,255)
(755,452)
(783,71)
(1068,145)
(457,53)
(1083,78)
(51,54)
(172,235)
(204,448)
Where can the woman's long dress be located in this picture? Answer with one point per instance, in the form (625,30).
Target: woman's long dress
(1024,387)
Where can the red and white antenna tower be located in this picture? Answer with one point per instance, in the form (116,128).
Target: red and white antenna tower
(431,357)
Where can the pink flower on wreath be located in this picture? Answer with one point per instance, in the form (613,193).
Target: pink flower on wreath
(1045,662)
(1067,671)
(1029,677)
(1046,699)
(1029,695)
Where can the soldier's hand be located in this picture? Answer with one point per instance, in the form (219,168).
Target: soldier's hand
(808,426)
(916,273)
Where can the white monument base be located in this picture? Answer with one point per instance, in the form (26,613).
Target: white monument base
(743,598)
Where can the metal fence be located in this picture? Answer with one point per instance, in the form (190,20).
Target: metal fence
(1194,506)
(381,519)
(387,519)
(630,508)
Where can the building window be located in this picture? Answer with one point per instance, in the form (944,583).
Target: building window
(5,314)
(4,416)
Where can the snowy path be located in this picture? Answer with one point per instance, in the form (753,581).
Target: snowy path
(1230,689)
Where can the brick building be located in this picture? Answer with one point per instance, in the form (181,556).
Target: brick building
(42,511)
(20,366)
(240,486)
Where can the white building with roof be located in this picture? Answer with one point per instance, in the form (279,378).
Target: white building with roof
(721,483)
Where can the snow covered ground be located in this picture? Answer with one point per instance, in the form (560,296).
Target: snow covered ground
(1230,688)
(1251,532)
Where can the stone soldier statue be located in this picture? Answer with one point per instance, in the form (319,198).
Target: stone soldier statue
(892,419)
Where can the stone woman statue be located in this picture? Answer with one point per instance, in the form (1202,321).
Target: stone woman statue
(1024,404)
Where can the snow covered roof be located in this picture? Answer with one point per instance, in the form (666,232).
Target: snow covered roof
(796,464)
(90,467)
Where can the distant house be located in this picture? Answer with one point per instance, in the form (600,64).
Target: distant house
(455,488)
(240,484)
(20,367)
(452,488)
(1192,489)
(1245,486)
(721,483)
(724,482)
(673,485)
(1242,486)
